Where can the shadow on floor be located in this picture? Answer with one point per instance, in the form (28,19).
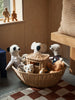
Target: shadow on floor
(12,82)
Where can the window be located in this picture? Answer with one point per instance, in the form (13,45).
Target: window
(11,5)
(3,4)
(1,8)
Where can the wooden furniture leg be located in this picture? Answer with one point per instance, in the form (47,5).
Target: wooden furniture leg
(72,60)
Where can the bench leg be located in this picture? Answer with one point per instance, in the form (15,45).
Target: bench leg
(72,60)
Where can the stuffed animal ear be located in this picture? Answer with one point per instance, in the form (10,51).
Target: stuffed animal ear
(43,48)
(33,45)
(8,49)
(50,47)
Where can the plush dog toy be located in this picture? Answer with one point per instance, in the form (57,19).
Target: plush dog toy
(57,66)
(38,47)
(29,68)
(15,57)
(55,48)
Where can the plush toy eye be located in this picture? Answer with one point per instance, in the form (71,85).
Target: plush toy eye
(8,49)
(38,48)
(52,49)
(18,48)
(14,48)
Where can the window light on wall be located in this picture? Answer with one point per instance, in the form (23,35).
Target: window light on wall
(11,5)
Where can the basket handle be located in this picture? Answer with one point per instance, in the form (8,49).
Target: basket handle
(14,68)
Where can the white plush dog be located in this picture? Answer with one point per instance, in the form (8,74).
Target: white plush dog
(15,57)
(55,48)
(38,47)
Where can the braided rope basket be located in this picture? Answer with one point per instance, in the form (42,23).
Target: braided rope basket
(39,80)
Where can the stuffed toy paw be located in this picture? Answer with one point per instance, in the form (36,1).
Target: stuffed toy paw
(43,70)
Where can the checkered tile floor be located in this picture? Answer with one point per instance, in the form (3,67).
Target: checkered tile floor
(62,91)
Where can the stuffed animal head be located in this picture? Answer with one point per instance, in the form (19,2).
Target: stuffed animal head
(14,49)
(24,58)
(55,48)
(59,65)
(38,47)
(29,68)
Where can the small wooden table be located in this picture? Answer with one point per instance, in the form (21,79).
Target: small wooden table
(69,41)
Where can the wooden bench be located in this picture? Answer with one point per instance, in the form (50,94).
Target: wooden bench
(69,41)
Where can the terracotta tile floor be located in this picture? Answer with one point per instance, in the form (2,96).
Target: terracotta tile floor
(62,91)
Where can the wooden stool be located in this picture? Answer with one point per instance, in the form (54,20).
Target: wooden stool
(69,41)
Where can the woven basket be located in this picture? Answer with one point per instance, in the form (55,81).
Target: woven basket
(39,80)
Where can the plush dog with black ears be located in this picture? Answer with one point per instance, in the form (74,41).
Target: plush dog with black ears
(15,57)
